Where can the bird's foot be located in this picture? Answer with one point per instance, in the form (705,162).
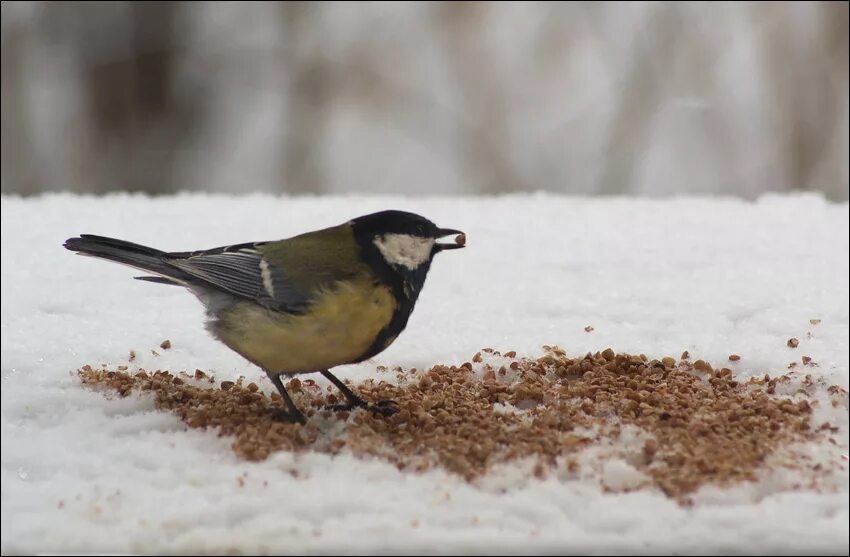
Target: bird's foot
(282,415)
(382,407)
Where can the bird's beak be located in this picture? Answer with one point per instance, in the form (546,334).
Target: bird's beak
(460,239)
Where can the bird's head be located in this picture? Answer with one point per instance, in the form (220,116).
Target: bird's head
(406,242)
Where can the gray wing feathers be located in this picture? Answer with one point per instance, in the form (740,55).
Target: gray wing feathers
(243,273)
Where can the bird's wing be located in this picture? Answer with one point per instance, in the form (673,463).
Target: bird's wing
(243,271)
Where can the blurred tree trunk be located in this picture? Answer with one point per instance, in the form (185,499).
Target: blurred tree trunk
(19,172)
(642,85)
(483,128)
(806,99)
(310,77)
(136,121)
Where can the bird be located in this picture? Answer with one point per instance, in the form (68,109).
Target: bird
(304,304)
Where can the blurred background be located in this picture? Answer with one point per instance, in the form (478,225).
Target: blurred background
(584,98)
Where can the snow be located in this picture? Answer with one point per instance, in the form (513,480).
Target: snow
(620,475)
(714,276)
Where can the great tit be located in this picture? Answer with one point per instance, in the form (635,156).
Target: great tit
(305,304)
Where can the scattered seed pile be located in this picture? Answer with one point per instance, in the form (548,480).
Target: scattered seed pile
(698,425)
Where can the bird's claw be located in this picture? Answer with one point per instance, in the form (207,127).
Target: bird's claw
(282,415)
(382,407)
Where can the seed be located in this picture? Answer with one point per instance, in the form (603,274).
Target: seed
(714,432)
(588,329)
(685,355)
(793,343)
(734,357)
(539,471)
(165,344)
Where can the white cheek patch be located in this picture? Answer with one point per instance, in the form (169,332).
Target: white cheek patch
(405,250)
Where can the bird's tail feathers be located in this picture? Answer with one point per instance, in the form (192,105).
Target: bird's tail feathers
(127,253)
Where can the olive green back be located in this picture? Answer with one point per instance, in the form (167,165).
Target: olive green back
(310,261)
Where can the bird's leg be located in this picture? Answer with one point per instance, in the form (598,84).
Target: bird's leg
(382,407)
(293,414)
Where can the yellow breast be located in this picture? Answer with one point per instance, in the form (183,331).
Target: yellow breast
(339,327)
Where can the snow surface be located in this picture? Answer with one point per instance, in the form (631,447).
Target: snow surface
(82,472)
